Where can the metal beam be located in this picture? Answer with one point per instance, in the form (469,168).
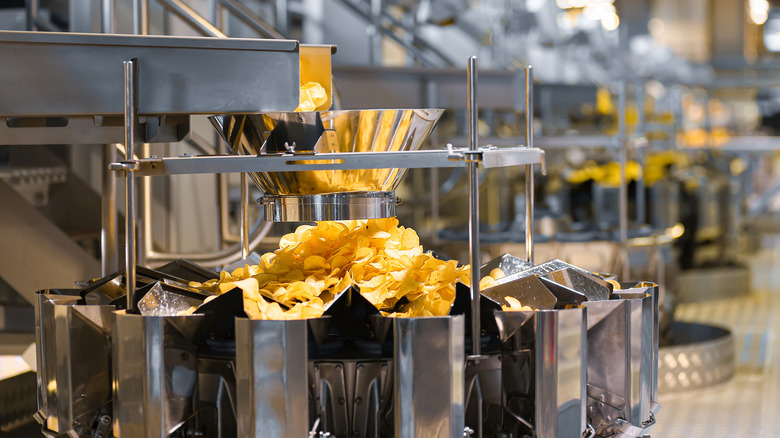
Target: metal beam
(35,254)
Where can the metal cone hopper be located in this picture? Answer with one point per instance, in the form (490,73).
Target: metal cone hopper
(316,195)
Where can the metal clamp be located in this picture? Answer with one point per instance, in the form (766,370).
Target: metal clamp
(466,155)
(589,432)
(124,166)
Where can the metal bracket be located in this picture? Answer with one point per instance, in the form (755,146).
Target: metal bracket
(125,166)
(465,155)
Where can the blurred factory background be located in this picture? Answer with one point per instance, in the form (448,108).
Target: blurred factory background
(684,93)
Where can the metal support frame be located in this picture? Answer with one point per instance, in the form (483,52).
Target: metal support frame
(131,123)
(529,168)
(244,220)
(476,331)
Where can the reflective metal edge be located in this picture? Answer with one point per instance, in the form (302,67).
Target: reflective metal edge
(561,373)
(330,206)
(429,375)
(271,377)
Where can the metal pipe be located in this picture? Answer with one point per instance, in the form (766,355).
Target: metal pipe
(639,98)
(192,18)
(109,259)
(623,201)
(32,14)
(474,256)
(529,168)
(140,17)
(375,45)
(244,221)
(131,120)
(219,258)
(145,241)
(244,14)
(107,16)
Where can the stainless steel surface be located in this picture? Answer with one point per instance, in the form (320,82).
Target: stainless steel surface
(192,18)
(620,369)
(131,125)
(155,372)
(333,206)
(107,16)
(351,161)
(109,230)
(271,377)
(543,373)
(529,168)
(331,132)
(429,356)
(140,17)
(73,392)
(474,254)
(623,158)
(267,70)
(507,263)
(700,356)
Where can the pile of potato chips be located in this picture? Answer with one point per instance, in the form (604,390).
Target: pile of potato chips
(317,262)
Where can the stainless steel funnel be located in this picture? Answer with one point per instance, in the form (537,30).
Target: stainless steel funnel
(328,194)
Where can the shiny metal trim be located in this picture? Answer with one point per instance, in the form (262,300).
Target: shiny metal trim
(271,377)
(330,206)
(491,158)
(429,375)
(529,168)
(474,253)
(131,124)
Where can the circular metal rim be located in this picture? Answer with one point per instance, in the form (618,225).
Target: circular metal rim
(329,206)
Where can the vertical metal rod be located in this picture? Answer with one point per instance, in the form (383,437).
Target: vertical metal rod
(623,201)
(144,239)
(377,6)
(141,17)
(109,260)
(639,98)
(131,120)
(529,168)
(244,217)
(107,16)
(32,14)
(474,256)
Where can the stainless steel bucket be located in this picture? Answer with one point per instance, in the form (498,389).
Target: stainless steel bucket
(539,375)
(271,378)
(622,362)
(73,350)
(156,376)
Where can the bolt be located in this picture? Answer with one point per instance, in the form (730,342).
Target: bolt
(358,400)
(360,367)
(341,400)
(338,367)
(105,419)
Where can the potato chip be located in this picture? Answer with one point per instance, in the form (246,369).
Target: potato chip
(314,264)
(514,305)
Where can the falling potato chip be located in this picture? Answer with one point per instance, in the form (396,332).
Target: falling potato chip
(312,95)
(497,274)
